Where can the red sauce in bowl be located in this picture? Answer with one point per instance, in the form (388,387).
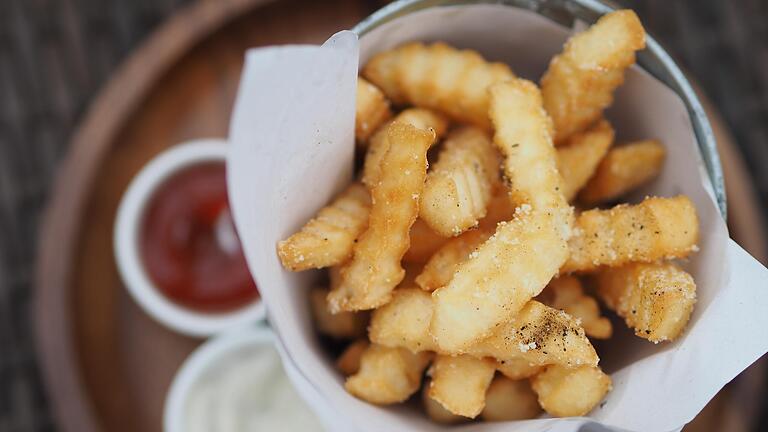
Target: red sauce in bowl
(189,245)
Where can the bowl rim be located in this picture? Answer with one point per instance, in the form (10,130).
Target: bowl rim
(128,224)
(654,60)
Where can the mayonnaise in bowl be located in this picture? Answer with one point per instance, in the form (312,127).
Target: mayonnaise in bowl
(236,383)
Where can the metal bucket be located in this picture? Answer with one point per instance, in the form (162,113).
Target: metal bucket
(654,59)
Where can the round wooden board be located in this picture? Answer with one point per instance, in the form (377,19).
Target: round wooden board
(105,364)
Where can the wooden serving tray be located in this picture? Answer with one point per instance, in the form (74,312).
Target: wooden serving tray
(106,365)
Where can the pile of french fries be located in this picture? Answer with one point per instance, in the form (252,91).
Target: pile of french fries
(479,279)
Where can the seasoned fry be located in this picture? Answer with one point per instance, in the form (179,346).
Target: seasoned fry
(624,169)
(508,400)
(327,239)
(436,412)
(579,83)
(371,109)
(654,229)
(564,392)
(418,117)
(538,334)
(460,184)
(517,369)
(541,335)
(566,293)
(424,243)
(387,375)
(656,300)
(517,262)
(578,160)
(459,383)
(439,270)
(374,270)
(349,361)
(440,77)
(343,325)
(501,208)
(404,321)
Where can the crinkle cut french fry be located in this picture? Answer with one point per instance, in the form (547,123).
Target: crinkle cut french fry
(371,109)
(516,263)
(517,368)
(424,243)
(387,375)
(564,392)
(436,412)
(343,325)
(368,279)
(508,400)
(655,229)
(579,83)
(439,270)
(349,360)
(501,208)
(538,334)
(461,183)
(440,77)
(656,300)
(459,383)
(404,321)
(328,238)
(624,169)
(578,160)
(418,117)
(566,293)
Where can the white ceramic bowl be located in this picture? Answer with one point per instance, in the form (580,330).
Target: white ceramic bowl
(126,240)
(218,349)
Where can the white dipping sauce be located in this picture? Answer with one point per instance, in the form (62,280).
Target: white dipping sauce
(246,391)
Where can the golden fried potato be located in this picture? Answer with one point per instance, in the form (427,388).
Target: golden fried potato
(501,208)
(624,169)
(436,412)
(517,368)
(656,300)
(371,109)
(439,270)
(440,77)
(419,118)
(578,160)
(508,400)
(327,239)
(654,229)
(460,184)
(579,83)
(374,270)
(387,375)
(459,383)
(566,293)
(349,360)
(404,321)
(537,335)
(424,243)
(565,392)
(517,262)
(342,325)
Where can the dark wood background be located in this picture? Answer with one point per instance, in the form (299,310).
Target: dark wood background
(56,54)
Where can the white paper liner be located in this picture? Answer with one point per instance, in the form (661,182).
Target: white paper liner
(292,150)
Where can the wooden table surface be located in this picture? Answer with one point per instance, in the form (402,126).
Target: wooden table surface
(56,54)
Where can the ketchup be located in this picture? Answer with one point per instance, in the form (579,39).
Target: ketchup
(189,245)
